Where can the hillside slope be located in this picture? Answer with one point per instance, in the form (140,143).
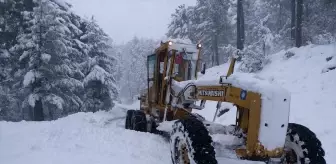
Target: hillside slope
(313,100)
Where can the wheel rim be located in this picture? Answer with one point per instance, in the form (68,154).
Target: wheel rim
(292,152)
(184,154)
(181,152)
(291,157)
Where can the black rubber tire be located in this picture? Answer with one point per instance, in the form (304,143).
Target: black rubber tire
(195,136)
(198,116)
(129,115)
(139,121)
(307,147)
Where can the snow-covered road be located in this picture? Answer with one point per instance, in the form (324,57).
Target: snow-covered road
(84,138)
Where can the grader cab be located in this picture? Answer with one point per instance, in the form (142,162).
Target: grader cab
(178,61)
(262,119)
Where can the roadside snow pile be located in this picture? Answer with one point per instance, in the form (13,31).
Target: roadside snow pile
(313,101)
(84,138)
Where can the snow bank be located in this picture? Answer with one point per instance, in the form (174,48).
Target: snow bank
(313,101)
(84,138)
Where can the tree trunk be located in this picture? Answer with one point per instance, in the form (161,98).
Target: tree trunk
(298,31)
(280,16)
(38,111)
(293,18)
(215,49)
(212,59)
(38,108)
(240,26)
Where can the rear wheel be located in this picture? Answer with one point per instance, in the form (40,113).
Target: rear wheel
(129,115)
(302,146)
(190,142)
(138,121)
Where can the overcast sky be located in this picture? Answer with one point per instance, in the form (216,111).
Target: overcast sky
(123,19)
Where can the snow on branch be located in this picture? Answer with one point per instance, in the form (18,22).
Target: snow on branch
(98,73)
(55,100)
(30,77)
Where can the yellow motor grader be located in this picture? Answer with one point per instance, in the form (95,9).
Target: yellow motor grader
(262,118)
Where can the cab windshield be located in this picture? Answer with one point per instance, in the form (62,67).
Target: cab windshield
(185,66)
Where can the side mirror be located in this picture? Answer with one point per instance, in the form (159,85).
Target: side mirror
(203,68)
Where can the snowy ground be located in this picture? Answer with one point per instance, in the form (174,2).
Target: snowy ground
(83,138)
(100,138)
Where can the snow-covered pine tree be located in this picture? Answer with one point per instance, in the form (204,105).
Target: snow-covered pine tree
(99,83)
(116,51)
(9,22)
(134,71)
(208,23)
(179,27)
(9,109)
(214,28)
(41,70)
(319,21)
(50,90)
(11,25)
(259,37)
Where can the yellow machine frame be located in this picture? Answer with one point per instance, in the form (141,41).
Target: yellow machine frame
(248,116)
(248,109)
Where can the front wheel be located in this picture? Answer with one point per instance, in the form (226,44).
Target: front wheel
(191,143)
(302,146)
